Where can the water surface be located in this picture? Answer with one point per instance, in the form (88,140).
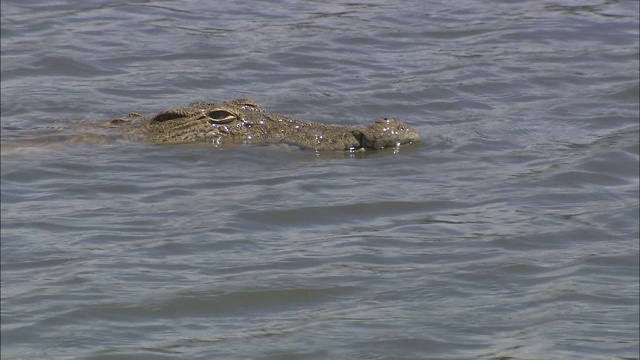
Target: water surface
(510,232)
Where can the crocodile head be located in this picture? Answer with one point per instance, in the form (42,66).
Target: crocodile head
(244,121)
(200,121)
(385,132)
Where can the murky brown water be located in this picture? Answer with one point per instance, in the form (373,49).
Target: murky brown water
(510,232)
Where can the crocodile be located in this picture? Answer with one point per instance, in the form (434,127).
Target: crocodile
(243,121)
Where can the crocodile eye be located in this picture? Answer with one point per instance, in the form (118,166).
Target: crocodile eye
(220,116)
(249,106)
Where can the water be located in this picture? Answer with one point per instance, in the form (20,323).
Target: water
(510,232)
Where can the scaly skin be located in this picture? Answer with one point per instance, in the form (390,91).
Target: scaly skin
(244,121)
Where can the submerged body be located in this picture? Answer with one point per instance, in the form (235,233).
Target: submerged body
(244,121)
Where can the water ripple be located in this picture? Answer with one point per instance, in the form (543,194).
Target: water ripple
(510,231)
